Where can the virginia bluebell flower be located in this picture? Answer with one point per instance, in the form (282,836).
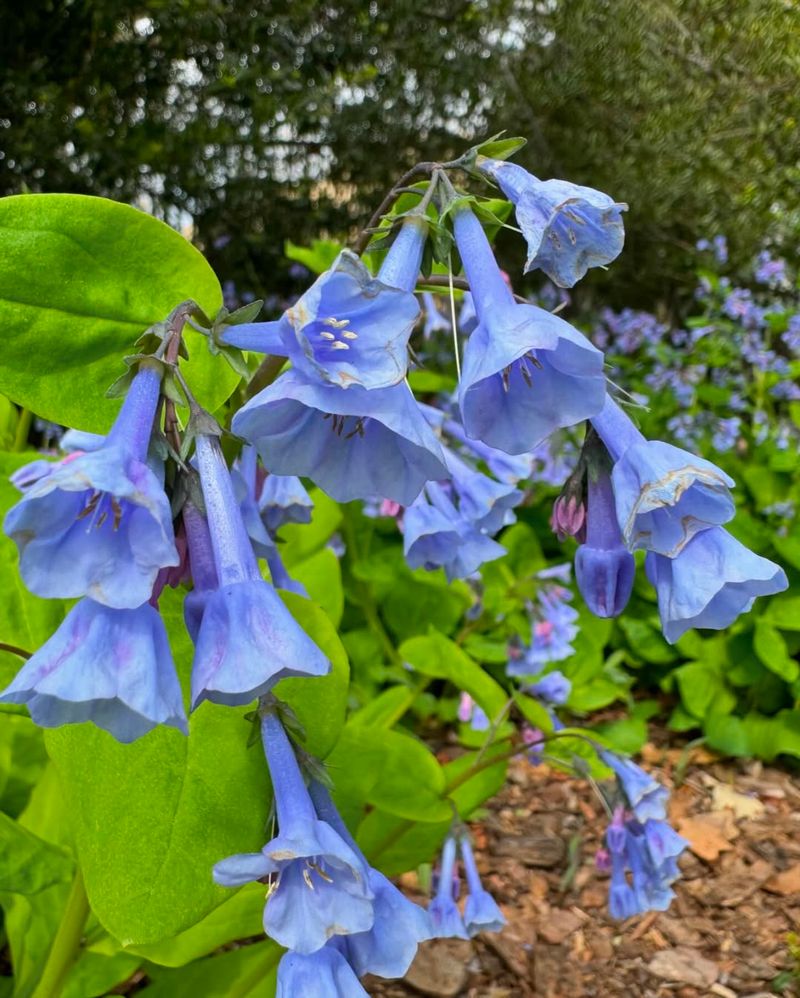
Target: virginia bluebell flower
(568,228)
(650,851)
(301,427)
(604,568)
(388,948)
(471,713)
(486,504)
(525,372)
(507,468)
(349,328)
(201,567)
(712,581)
(554,688)
(284,499)
(99,524)
(644,796)
(481,913)
(435,535)
(467,316)
(434,320)
(664,495)
(109,666)
(318,885)
(552,630)
(247,639)
(324,973)
(443,910)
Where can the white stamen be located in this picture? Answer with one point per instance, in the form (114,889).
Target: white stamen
(336,323)
(327,336)
(338,345)
(348,334)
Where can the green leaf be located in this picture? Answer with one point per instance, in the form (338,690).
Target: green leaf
(28,864)
(783,611)
(321,574)
(302,540)
(627,734)
(96,971)
(770,646)
(703,690)
(727,734)
(437,656)
(237,918)
(497,148)
(317,257)
(646,641)
(393,772)
(81,278)
(247,972)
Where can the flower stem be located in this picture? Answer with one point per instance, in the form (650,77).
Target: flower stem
(67,942)
(23,429)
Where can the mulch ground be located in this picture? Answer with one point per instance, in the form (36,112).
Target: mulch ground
(725,935)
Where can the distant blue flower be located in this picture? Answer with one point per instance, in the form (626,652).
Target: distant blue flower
(604,568)
(99,524)
(388,948)
(471,713)
(507,468)
(247,640)
(739,305)
(649,850)
(792,335)
(481,912)
(486,504)
(284,499)
(712,581)
(568,228)
(349,328)
(317,884)
(334,437)
(435,535)
(552,631)
(525,371)
(324,973)
(770,270)
(109,666)
(434,320)
(718,246)
(467,317)
(726,433)
(554,688)
(644,796)
(443,910)
(664,495)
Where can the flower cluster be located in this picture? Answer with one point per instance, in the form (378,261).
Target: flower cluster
(117,518)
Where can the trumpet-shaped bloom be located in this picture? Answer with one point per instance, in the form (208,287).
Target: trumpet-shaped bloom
(507,468)
(604,568)
(284,499)
(109,666)
(354,444)
(322,974)
(712,581)
(644,796)
(525,372)
(486,504)
(664,495)
(481,913)
(246,640)
(318,885)
(568,228)
(349,328)
(435,535)
(650,851)
(554,688)
(99,524)
(434,320)
(388,948)
(445,917)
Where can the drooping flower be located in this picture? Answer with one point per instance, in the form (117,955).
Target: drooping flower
(99,524)
(486,504)
(554,688)
(349,328)
(318,885)
(334,437)
(525,372)
(435,535)
(472,713)
(604,568)
(325,973)
(284,499)
(443,910)
(434,320)
(552,629)
(202,568)
(712,581)
(481,912)
(644,796)
(109,666)
(247,640)
(664,495)
(568,228)
(389,946)
(507,468)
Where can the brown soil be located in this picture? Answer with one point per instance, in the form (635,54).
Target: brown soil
(725,935)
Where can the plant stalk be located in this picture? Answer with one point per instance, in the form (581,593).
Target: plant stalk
(67,942)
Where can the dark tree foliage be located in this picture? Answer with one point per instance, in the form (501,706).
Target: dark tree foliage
(264,121)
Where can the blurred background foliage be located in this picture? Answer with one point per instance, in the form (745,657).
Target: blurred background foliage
(258,121)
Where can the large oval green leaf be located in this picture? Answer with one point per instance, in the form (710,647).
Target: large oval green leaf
(80,279)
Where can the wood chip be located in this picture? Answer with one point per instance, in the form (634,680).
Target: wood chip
(684,966)
(785,883)
(709,834)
